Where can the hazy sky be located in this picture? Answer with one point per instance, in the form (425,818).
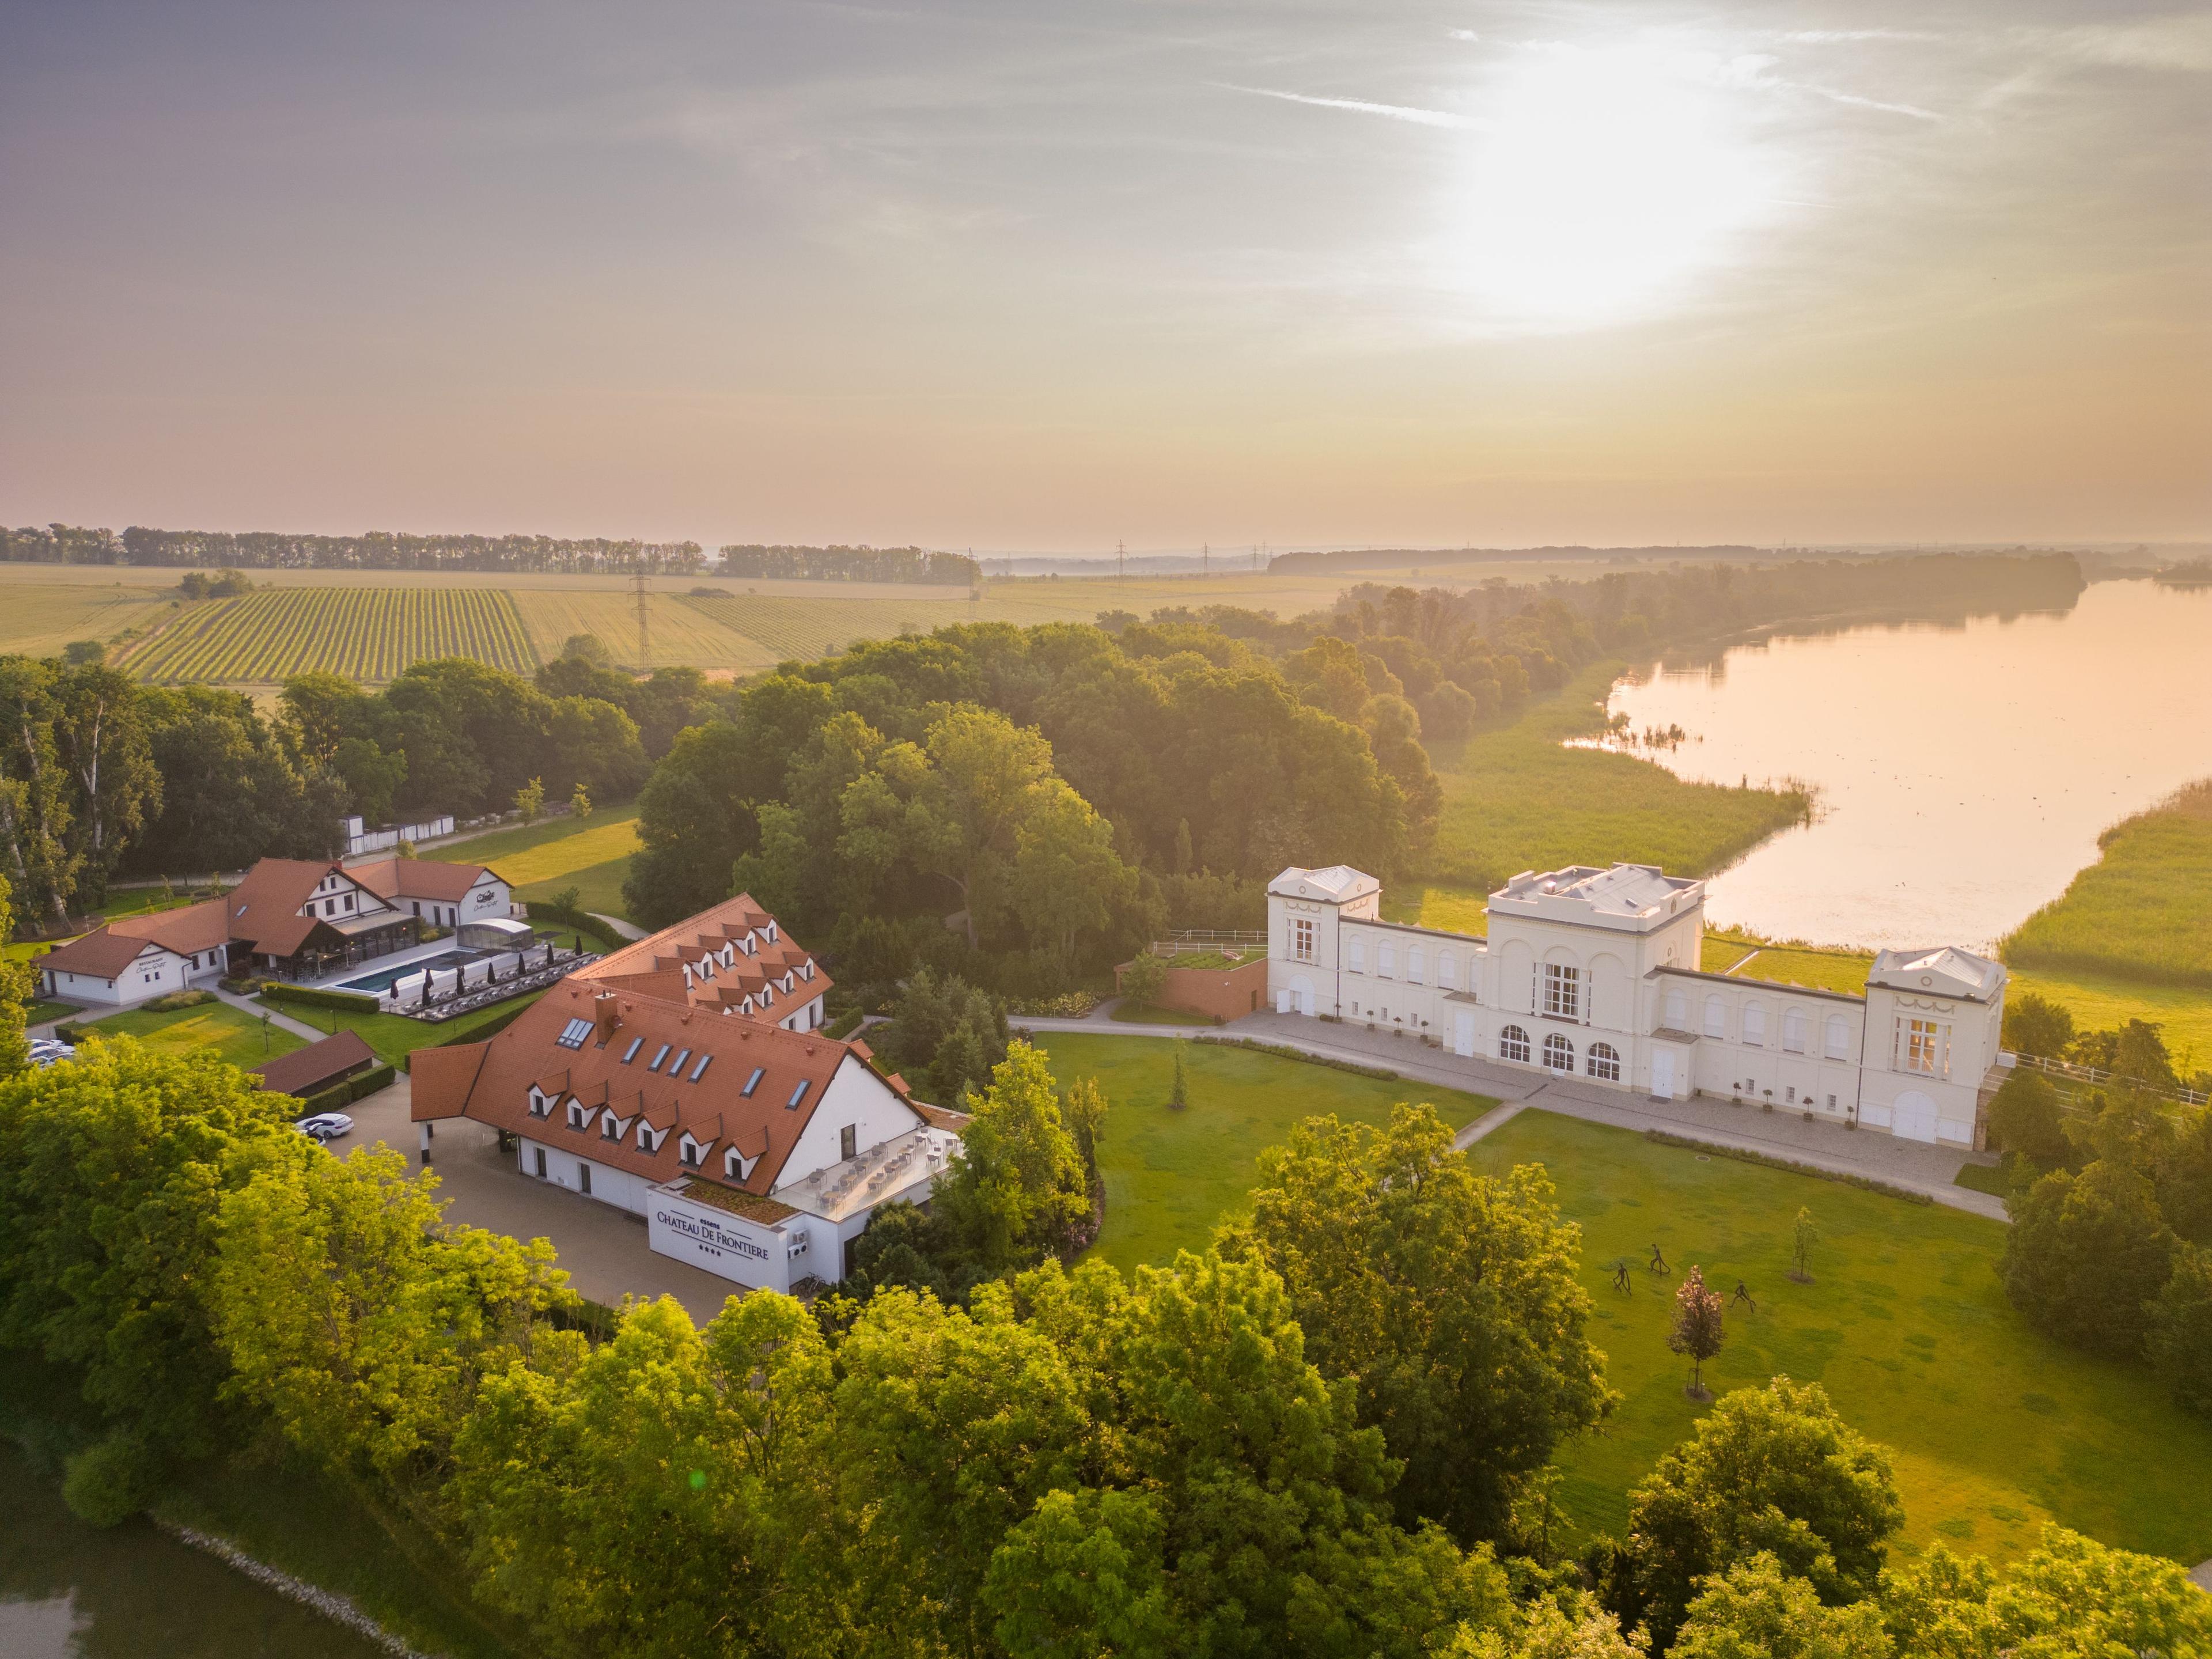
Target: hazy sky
(1041,276)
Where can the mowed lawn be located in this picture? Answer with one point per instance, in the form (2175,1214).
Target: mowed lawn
(1171,1175)
(541,860)
(394,1036)
(213,1028)
(1995,1429)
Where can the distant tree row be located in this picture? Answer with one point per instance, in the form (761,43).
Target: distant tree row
(59,543)
(851,564)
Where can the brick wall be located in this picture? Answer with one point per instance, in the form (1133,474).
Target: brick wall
(1222,993)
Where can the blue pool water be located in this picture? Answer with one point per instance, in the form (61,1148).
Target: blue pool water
(385,978)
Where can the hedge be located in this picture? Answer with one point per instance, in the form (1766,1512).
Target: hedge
(345,1092)
(351,1002)
(1743,1155)
(845,1024)
(575,920)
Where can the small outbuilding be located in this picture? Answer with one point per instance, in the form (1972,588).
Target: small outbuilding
(318,1066)
(496,934)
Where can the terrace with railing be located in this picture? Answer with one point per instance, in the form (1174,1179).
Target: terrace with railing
(1210,947)
(2065,1070)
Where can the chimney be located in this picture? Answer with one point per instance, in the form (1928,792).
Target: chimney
(604,1016)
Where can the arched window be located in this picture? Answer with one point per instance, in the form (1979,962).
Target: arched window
(1413,964)
(1513,1044)
(1448,970)
(1358,955)
(1605,1062)
(1560,1053)
(1793,1030)
(1754,1025)
(1386,960)
(1678,1009)
(1839,1037)
(1715,1017)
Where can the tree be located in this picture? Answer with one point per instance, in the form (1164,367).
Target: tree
(1804,1234)
(2134,1050)
(1697,1328)
(2034,1025)
(17,985)
(1179,1087)
(2084,1257)
(1757,1611)
(2179,1339)
(100,734)
(1446,1298)
(1775,1470)
(947,1031)
(579,803)
(530,800)
(971,801)
(2028,1118)
(591,744)
(372,777)
(1068,881)
(1018,1188)
(1145,978)
(36,819)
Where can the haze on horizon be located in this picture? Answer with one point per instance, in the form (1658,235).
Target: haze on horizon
(980,274)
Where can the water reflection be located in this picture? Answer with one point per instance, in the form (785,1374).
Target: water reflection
(70,1591)
(1963,771)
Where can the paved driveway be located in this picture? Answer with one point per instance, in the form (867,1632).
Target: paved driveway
(602,1248)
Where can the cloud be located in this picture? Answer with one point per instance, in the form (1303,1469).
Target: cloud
(1846,37)
(1853,98)
(1422,117)
(2167,43)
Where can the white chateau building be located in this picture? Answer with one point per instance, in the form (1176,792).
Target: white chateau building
(1593,974)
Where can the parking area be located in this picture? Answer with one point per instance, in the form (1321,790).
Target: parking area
(602,1248)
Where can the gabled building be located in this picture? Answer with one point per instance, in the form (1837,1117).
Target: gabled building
(683,1080)
(297,918)
(1595,973)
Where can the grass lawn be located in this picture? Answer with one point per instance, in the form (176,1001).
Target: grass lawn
(2144,909)
(1516,798)
(543,859)
(392,1035)
(1994,1429)
(1170,1176)
(214,1027)
(38,1013)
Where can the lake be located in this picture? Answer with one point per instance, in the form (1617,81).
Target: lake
(1964,773)
(70,1591)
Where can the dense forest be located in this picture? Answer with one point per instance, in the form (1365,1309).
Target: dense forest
(61,543)
(851,564)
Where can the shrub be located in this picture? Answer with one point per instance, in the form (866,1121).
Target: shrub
(2026,1118)
(308,996)
(2179,1342)
(2034,1025)
(1145,979)
(108,1483)
(2085,1255)
(177,999)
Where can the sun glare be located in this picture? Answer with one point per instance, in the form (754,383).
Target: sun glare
(1596,181)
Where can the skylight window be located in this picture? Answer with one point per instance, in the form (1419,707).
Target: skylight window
(700,1070)
(753,1082)
(659,1054)
(798,1095)
(676,1066)
(574,1033)
(631,1053)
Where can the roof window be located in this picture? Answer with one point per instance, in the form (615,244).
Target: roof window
(676,1066)
(631,1053)
(700,1070)
(753,1082)
(659,1054)
(574,1033)
(798,1094)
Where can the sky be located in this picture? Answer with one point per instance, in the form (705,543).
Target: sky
(1045,276)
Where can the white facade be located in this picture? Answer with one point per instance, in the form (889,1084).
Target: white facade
(360,839)
(1593,974)
(156,971)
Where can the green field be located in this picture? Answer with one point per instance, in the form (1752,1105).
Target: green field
(394,1035)
(2143,911)
(1171,1175)
(544,859)
(367,634)
(1995,1429)
(40,618)
(214,1028)
(677,635)
(1516,798)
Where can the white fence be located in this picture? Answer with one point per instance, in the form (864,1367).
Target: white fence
(2069,1072)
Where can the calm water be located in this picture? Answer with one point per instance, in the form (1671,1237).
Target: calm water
(1964,774)
(68,1591)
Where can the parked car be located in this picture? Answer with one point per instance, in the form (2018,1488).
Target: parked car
(325,1126)
(45,1051)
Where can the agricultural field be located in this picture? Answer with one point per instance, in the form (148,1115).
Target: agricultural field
(1994,1428)
(541,860)
(367,634)
(38,618)
(678,633)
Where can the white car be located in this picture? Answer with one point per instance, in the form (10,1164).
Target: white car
(325,1126)
(45,1051)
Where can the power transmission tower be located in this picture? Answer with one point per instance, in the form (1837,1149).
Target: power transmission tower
(1206,559)
(1121,564)
(644,636)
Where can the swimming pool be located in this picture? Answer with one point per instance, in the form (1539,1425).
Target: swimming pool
(385,978)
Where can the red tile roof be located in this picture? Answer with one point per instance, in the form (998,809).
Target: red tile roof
(101,954)
(318,1066)
(424,878)
(772,975)
(490,1082)
(107,951)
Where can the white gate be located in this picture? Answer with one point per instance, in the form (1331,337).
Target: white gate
(1662,1074)
(1913,1116)
(1463,1035)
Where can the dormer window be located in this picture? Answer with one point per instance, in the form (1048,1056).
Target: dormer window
(579,1116)
(735,1166)
(611,1129)
(690,1153)
(540,1105)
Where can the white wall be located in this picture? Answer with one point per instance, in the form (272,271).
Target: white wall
(855,1095)
(618,1187)
(747,1254)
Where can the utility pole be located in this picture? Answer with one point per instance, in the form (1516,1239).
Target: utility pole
(1121,563)
(1206,559)
(644,637)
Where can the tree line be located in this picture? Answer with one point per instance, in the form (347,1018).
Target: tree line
(851,564)
(102,777)
(377,550)
(1325,1434)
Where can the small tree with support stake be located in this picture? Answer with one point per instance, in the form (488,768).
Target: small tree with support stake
(1697,1330)
(1807,1236)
